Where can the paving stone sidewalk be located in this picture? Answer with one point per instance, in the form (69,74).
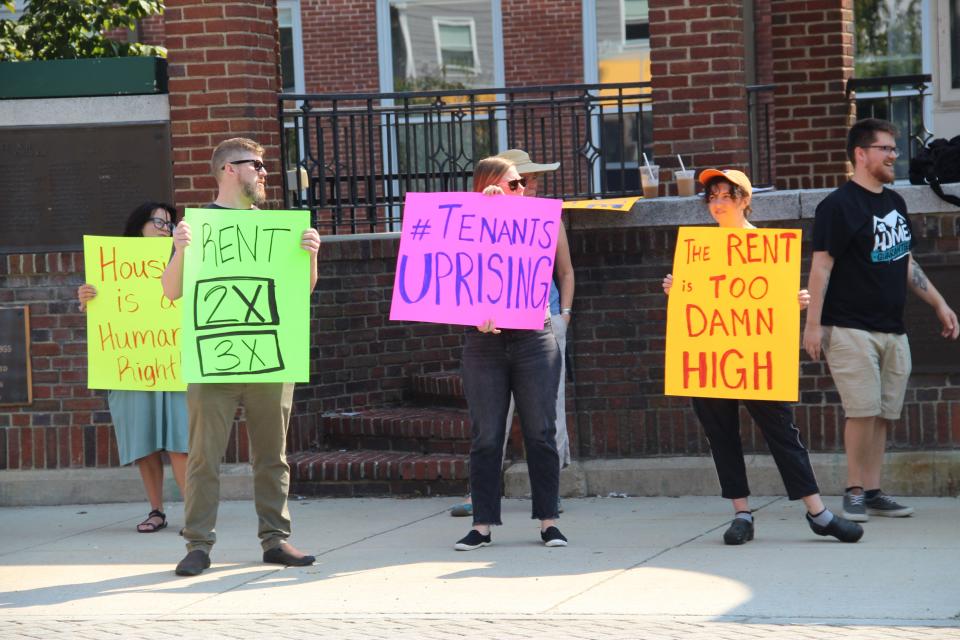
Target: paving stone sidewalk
(636,568)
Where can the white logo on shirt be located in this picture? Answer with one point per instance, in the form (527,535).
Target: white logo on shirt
(891,237)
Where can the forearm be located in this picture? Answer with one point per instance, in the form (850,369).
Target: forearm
(918,283)
(566,286)
(819,280)
(172,278)
(313,272)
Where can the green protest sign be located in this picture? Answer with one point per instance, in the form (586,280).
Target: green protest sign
(246,297)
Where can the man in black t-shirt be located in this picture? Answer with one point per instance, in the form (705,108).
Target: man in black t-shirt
(861,270)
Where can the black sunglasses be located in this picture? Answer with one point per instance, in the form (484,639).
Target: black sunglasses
(257,164)
(513,184)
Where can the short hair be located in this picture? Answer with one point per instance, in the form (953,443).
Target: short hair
(736,192)
(139,217)
(489,171)
(864,133)
(231,149)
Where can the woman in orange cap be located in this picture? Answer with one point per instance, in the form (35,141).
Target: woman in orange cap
(728,194)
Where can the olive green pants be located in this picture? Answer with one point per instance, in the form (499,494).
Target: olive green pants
(211,409)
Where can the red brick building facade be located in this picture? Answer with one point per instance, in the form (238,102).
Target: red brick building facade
(224,61)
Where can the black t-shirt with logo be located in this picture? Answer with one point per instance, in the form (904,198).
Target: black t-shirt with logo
(869,237)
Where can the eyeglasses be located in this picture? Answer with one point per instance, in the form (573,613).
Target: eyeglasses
(257,164)
(885,148)
(513,184)
(161,224)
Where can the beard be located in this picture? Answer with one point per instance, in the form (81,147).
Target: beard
(255,192)
(883,173)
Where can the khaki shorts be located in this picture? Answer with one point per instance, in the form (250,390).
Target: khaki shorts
(870,369)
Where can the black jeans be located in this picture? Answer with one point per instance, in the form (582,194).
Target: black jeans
(720,418)
(526,362)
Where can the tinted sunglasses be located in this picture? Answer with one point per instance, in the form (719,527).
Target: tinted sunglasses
(257,164)
(513,184)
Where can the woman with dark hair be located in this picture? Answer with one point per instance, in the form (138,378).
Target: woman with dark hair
(147,423)
(728,195)
(497,362)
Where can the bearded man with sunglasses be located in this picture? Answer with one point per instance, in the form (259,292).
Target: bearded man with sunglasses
(861,270)
(238,166)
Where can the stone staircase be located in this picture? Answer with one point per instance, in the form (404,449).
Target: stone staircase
(421,448)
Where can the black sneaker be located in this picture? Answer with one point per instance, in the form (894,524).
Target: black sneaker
(473,540)
(854,507)
(840,528)
(884,505)
(740,532)
(553,538)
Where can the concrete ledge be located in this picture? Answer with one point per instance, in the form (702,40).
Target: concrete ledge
(767,206)
(107,110)
(93,486)
(926,473)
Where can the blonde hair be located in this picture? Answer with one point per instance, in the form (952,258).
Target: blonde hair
(231,149)
(489,171)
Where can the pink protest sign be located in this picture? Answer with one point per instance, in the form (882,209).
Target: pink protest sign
(466,258)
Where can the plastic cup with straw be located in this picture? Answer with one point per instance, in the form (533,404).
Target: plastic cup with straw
(650,178)
(686,186)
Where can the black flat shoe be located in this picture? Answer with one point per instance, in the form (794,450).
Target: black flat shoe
(740,532)
(287,555)
(193,563)
(840,528)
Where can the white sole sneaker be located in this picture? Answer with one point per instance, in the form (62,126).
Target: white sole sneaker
(856,517)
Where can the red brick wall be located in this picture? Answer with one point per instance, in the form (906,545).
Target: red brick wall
(224,79)
(542,42)
(699,99)
(68,425)
(361,359)
(152,31)
(812,60)
(340,45)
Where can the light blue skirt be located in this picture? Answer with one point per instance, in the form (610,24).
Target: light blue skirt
(148,421)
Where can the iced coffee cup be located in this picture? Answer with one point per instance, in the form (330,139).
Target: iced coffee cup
(685,182)
(650,179)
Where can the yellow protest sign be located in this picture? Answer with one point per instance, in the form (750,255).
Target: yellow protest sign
(133,330)
(624,205)
(733,319)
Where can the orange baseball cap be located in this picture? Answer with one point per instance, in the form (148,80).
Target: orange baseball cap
(738,178)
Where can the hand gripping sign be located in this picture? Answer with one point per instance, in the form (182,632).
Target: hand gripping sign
(133,330)
(246,297)
(733,319)
(466,258)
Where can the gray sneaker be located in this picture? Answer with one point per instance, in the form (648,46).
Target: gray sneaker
(854,507)
(884,505)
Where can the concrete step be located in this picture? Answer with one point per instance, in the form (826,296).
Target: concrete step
(377,473)
(444,388)
(409,429)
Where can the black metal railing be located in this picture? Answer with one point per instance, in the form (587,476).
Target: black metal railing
(760,134)
(351,158)
(899,99)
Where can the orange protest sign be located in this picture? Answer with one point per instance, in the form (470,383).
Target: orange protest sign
(733,319)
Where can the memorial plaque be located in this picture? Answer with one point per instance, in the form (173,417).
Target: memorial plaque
(16,384)
(61,183)
(931,352)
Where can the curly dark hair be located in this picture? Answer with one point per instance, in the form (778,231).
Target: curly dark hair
(140,216)
(736,192)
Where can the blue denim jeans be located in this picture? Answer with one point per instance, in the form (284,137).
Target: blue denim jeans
(527,363)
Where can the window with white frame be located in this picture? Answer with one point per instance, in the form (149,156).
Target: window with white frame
(456,44)
(439,44)
(954,44)
(636,21)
